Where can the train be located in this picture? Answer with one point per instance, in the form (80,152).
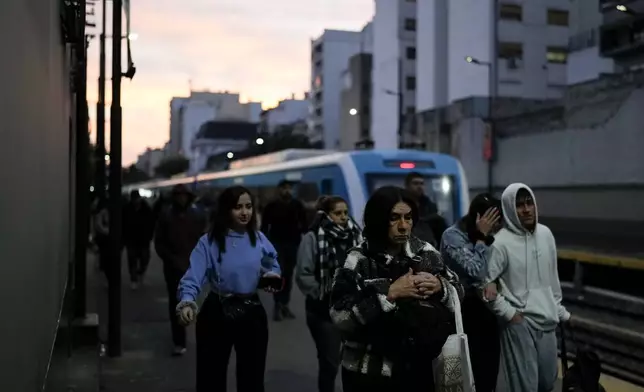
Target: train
(353,175)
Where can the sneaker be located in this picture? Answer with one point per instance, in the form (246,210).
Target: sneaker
(286,313)
(178,351)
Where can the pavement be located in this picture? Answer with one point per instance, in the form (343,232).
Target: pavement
(146,363)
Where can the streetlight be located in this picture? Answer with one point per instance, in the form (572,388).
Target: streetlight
(259,141)
(489,136)
(353,111)
(230,155)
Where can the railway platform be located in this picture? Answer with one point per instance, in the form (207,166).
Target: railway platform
(146,364)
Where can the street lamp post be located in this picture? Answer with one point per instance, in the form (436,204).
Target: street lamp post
(489,148)
(114,290)
(100,112)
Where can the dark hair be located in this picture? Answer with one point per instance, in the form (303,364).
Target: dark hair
(411,177)
(479,205)
(284,184)
(327,203)
(377,213)
(221,221)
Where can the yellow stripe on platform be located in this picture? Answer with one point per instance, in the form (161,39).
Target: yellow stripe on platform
(612,384)
(624,262)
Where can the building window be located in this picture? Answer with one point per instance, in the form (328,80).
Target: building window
(411,83)
(411,110)
(410,24)
(511,12)
(557,55)
(411,53)
(510,50)
(557,18)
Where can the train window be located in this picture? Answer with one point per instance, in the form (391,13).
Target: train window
(440,189)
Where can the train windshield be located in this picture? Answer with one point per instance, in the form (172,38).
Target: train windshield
(440,189)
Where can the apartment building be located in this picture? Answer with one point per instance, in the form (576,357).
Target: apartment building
(329,56)
(585,61)
(508,48)
(622,33)
(394,84)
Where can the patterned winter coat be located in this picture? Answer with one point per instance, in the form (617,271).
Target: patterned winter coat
(378,334)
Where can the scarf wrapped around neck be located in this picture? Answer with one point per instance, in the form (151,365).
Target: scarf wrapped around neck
(329,234)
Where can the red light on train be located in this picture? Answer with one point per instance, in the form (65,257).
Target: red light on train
(407,165)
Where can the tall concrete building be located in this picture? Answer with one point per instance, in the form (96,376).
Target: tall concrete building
(288,112)
(516,49)
(585,61)
(622,33)
(329,56)
(394,72)
(355,101)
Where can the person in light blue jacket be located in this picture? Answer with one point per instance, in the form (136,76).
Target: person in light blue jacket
(235,259)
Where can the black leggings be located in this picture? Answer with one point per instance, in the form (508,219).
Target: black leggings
(483,336)
(216,337)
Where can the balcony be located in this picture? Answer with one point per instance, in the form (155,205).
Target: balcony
(623,39)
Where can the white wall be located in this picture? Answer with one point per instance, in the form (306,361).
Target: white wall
(338,47)
(385,75)
(195,114)
(431,53)
(470,33)
(287,112)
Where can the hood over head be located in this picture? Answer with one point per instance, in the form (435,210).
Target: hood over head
(509,206)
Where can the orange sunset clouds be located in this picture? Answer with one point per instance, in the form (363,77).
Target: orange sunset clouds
(258,48)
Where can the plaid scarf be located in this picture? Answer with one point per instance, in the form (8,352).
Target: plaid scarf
(330,234)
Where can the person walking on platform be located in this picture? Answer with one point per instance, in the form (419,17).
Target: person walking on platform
(322,251)
(465,247)
(523,259)
(284,222)
(390,301)
(430,225)
(236,260)
(138,230)
(177,232)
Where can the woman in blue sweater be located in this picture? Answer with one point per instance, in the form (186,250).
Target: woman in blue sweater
(235,259)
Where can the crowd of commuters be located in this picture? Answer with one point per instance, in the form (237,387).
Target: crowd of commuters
(377,298)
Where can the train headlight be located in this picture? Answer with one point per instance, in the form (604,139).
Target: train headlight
(446,186)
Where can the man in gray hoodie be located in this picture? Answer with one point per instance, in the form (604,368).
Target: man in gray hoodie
(523,260)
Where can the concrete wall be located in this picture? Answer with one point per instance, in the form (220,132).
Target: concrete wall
(35,202)
(584,160)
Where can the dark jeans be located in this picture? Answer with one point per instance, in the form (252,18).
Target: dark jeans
(172,277)
(104,253)
(287,257)
(482,331)
(328,343)
(138,258)
(216,336)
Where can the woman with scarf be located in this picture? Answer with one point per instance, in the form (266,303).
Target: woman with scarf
(465,247)
(391,300)
(322,250)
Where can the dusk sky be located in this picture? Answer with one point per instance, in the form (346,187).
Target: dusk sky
(258,48)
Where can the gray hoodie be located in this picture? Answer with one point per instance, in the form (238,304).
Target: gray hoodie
(525,264)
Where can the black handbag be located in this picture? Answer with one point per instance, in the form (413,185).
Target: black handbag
(235,308)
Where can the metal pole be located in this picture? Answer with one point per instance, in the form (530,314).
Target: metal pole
(492,72)
(114,291)
(82,178)
(100,114)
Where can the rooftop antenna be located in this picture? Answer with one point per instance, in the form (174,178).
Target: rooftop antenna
(190,84)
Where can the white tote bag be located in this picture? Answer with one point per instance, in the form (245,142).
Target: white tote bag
(452,368)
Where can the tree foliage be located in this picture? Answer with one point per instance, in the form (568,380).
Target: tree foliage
(133,174)
(172,166)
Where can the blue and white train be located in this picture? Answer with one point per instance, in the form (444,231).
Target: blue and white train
(353,175)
